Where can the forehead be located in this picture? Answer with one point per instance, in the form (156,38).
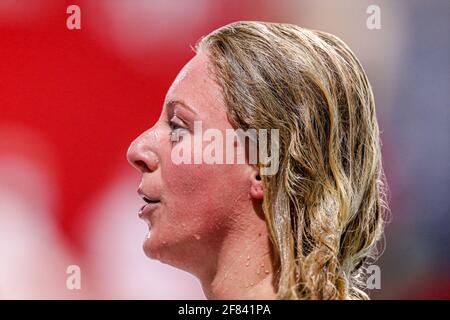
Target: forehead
(195,85)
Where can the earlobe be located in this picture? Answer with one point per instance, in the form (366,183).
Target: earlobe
(256,188)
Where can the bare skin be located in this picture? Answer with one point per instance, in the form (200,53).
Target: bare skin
(207,218)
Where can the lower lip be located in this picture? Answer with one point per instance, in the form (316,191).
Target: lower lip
(147,209)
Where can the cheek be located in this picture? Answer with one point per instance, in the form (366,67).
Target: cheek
(194,186)
(202,197)
(195,183)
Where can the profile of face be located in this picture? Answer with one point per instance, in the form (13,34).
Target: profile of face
(193,208)
(317,223)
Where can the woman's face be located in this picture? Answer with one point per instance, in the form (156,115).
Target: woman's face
(195,204)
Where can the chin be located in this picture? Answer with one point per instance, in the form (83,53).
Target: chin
(159,248)
(153,247)
(174,252)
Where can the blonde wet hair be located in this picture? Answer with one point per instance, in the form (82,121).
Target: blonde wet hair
(325,208)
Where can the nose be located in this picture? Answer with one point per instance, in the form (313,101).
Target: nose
(141,155)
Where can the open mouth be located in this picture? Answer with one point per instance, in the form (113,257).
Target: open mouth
(151,204)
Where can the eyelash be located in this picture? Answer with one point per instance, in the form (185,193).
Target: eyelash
(174,128)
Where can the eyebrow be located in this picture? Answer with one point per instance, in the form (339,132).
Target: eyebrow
(172,103)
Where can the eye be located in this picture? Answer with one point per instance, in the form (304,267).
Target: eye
(174,126)
(175,130)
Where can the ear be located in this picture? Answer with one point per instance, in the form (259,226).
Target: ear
(256,186)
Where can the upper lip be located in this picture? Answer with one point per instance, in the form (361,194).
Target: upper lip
(146,197)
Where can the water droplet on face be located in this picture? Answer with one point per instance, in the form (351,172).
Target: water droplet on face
(164,242)
(247,264)
(252,284)
(267,271)
(258,272)
(196,236)
(248,257)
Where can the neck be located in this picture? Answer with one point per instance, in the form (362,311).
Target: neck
(244,267)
